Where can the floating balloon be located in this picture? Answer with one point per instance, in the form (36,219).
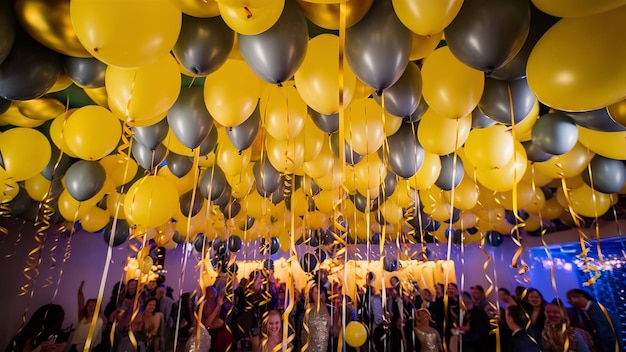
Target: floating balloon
(534,153)
(441,135)
(327,123)
(212,183)
(567,165)
(588,202)
(189,208)
(84,179)
(250,19)
(24,152)
(308,262)
(85,72)
(178,164)
(420,110)
(151,136)
(121,234)
(234,243)
(555,133)
(7,28)
(92,132)
(405,152)
(378,46)
(598,120)
(203,44)
(494,238)
(356,334)
(189,119)
(575,8)
(143,33)
(490,147)
(425,17)
(205,8)
(149,158)
(151,201)
(283,111)
(500,96)
(275,54)
(451,172)
(365,126)
(402,98)
(267,178)
(607,175)
(486,34)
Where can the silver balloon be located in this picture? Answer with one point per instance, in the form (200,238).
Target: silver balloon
(189,208)
(451,173)
(85,71)
(213,183)
(378,46)
(533,153)
(84,179)
(352,157)
(276,54)
(486,34)
(149,158)
(498,95)
(209,143)
(151,136)
(56,168)
(403,97)
(189,119)
(609,175)
(243,135)
(266,177)
(178,164)
(479,120)
(203,44)
(599,120)
(326,123)
(555,133)
(421,109)
(405,152)
(122,232)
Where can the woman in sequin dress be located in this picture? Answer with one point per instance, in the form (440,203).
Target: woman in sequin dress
(318,322)
(428,337)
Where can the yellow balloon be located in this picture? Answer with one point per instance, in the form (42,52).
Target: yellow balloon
(299,202)
(172,143)
(449,86)
(44,108)
(440,135)
(137,94)
(256,205)
(57,134)
(327,200)
(465,195)
(588,202)
(567,165)
(331,180)
(551,209)
(428,173)
(14,117)
(232,92)
(98,95)
(392,124)
(142,33)
(558,68)
(286,156)
(95,219)
(522,131)
(115,205)
(183,184)
(364,126)
(322,164)
(198,8)
(326,15)
(422,46)
(250,18)
(576,8)
(608,144)
(489,147)
(120,169)
(524,194)
(370,171)
(317,78)
(62,82)
(230,159)
(505,178)
(151,201)
(71,209)
(314,139)
(49,23)
(283,111)
(362,90)
(617,111)
(92,132)
(25,152)
(531,176)
(37,187)
(242,184)
(426,17)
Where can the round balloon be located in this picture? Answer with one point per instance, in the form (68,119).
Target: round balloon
(92,132)
(250,19)
(24,152)
(151,201)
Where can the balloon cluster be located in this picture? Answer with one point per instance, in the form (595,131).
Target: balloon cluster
(227,120)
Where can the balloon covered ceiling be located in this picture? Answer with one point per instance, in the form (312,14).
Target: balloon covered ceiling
(283,119)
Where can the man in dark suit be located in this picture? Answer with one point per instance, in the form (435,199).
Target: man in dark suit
(596,320)
(521,340)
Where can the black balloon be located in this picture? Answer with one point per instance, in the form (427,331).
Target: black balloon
(29,71)
(378,46)
(598,120)
(224,197)
(326,123)
(403,97)
(199,242)
(276,54)
(494,238)
(243,135)
(500,96)
(50,172)
(189,119)
(351,156)
(234,243)
(267,178)
(85,71)
(212,183)
(21,203)
(230,209)
(479,120)
(308,262)
(209,143)
(203,44)
(7,29)
(153,135)
(146,158)
(406,154)
(187,207)
(420,110)
(388,187)
(84,179)
(455,236)
(451,173)
(178,164)
(608,175)
(4,105)
(486,34)
(555,133)
(247,224)
(122,232)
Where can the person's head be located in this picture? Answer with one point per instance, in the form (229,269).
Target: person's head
(467,300)
(423,316)
(131,288)
(519,291)
(90,308)
(439,288)
(535,298)
(478,293)
(47,318)
(160,293)
(395,282)
(150,305)
(578,298)
(151,285)
(554,313)
(369,277)
(316,294)
(274,324)
(516,317)
(427,296)
(503,294)
(453,290)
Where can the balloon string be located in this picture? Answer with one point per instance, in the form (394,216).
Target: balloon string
(594,199)
(493,319)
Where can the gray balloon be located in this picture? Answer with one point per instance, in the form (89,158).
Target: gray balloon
(4,105)
(486,34)
(224,197)
(540,22)
(555,133)
(389,185)
(212,183)
(203,44)
(479,120)
(209,143)
(178,164)
(122,232)
(534,153)
(153,135)
(378,46)
(278,195)
(7,28)
(326,123)
(351,156)
(149,158)
(609,175)
(450,176)
(243,135)
(189,208)
(189,119)
(84,179)
(267,178)
(85,71)
(21,203)
(402,98)
(599,120)
(406,155)
(50,172)
(276,54)
(497,96)
(421,109)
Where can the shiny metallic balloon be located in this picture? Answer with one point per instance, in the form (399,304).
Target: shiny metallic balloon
(498,96)
(7,29)
(243,135)
(405,153)
(85,72)
(403,97)
(151,136)
(189,119)
(84,179)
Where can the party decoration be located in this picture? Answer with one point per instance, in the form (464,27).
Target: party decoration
(84,179)
(405,152)
(203,44)
(151,201)
(212,183)
(275,54)
(440,135)
(188,117)
(424,17)
(568,49)
(85,72)
(7,28)
(189,208)
(266,177)
(494,238)
(326,15)
(605,175)
(555,133)
(490,147)
(151,136)
(92,132)
(486,34)
(283,111)
(365,125)
(178,164)
(250,19)
(356,334)
(575,8)
(534,153)
(327,123)
(120,236)
(378,46)
(451,172)
(499,96)
(25,152)
(234,243)
(142,34)
(149,158)
(56,167)
(308,262)
(402,98)
(205,8)
(598,120)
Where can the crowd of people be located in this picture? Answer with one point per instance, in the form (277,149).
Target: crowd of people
(259,313)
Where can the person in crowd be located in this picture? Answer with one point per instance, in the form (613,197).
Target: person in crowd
(110,315)
(317,321)
(126,308)
(165,305)
(439,290)
(273,332)
(521,339)
(148,291)
(520,293)
(475,329)
(395,304)
(123,341)
(41,332)
(535,304)
(261,297)
(505,298)
(598,322)
(451,316)
(152,325)
(214,318)
(86,313)
(478,297)
(557,330)
(427,337)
